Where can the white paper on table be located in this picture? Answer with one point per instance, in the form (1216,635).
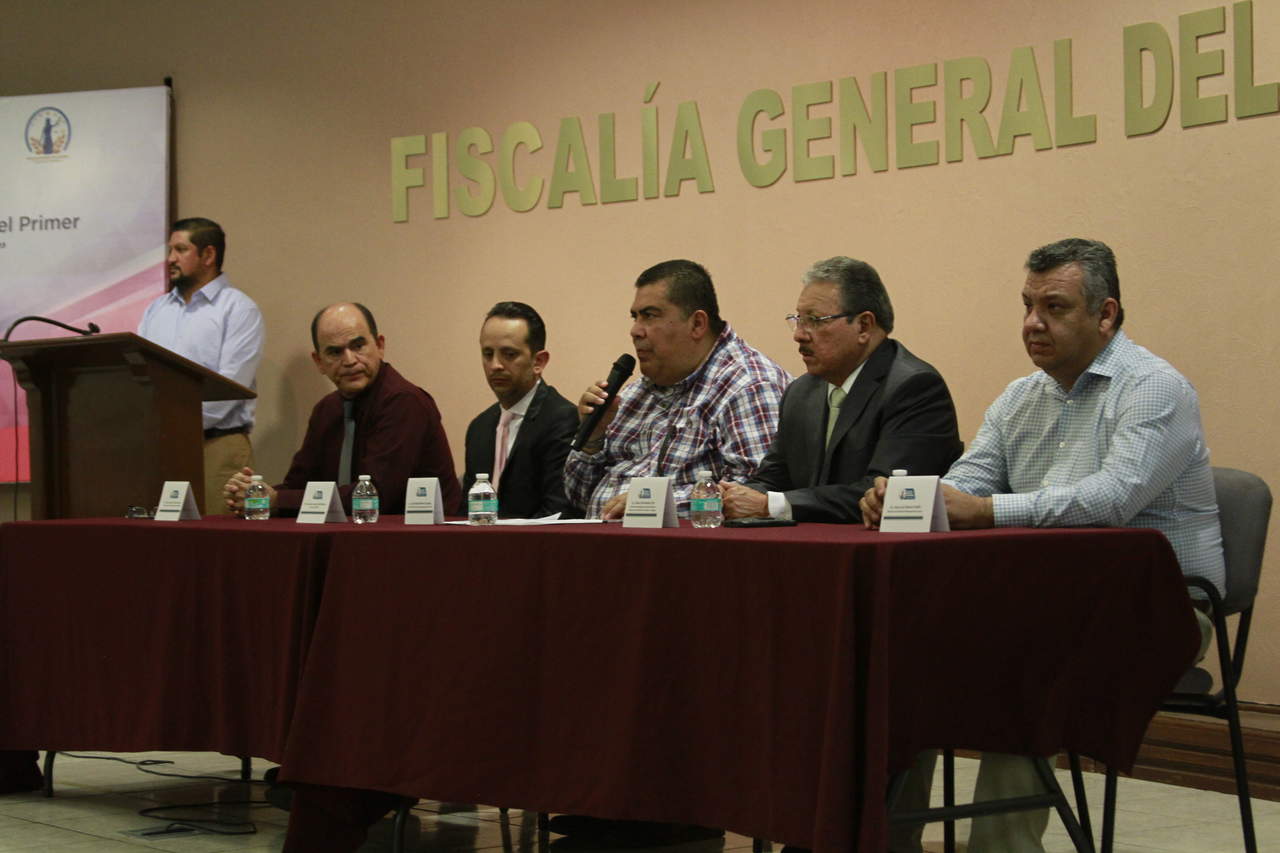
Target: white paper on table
(534,522)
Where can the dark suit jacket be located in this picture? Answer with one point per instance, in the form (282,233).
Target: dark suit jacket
(532,483)
(898,414)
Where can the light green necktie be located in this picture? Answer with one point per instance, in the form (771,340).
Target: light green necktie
(833,409)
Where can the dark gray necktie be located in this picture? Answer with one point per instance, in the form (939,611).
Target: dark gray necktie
(348,439)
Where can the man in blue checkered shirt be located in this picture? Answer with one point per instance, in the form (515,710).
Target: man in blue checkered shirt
(706,400)
(1104,434)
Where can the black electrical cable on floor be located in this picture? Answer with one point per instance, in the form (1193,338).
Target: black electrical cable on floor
(144,763)
(201,824)
(207,824)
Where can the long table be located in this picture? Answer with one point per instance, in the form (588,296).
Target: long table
(132,635)
(765,681)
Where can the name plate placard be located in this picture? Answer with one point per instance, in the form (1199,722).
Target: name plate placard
(177,503)
(650,503)
(320,504)
(913,505)
(423,503)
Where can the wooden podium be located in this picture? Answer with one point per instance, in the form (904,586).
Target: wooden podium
(112,417)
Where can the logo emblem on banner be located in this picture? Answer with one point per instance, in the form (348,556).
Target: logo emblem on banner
(48,132)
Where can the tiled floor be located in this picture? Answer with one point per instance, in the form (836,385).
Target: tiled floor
(97,802)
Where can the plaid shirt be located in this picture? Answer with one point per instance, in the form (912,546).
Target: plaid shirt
(1123,448)
(721,417)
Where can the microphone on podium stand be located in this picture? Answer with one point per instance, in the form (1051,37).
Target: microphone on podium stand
(92,330)
(620,373)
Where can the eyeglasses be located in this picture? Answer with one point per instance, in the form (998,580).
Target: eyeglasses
(809,322)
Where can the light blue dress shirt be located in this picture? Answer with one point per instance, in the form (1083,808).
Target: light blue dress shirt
(220,328)
(1123,448)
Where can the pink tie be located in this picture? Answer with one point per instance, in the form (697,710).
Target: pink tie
(500,449)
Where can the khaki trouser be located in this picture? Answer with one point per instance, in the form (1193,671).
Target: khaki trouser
(223,456)
(999,776)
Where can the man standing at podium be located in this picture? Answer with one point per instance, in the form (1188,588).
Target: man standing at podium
(203,318)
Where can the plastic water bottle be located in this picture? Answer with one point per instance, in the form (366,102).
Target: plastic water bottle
(482,502)
(364,501)
(705,508)
(257,502)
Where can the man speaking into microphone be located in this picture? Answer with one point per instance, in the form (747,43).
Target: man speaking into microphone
(705,399)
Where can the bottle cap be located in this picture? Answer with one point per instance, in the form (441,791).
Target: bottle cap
(899,472)
(480,477)
(257,478)
(364,477)
(704,474)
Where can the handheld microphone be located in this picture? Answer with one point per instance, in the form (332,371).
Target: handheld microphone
(620,373)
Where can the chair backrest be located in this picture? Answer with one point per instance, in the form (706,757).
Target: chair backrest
(1244,509)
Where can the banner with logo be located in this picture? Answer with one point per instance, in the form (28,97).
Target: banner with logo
(83,222)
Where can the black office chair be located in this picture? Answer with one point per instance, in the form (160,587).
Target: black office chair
(1244,510)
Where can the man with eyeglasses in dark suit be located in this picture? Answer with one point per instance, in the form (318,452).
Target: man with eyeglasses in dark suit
(865,407)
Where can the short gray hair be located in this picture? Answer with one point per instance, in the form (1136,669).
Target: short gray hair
(860,287)
(1097,264)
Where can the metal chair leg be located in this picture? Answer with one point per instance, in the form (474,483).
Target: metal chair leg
(402,818)
(1082,799)
(1226,667)
(49,755)
(949,798)
(1241,768)
(1050,782)
(1109,811)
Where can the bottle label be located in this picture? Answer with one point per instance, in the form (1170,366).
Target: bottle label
(257,503)
(359,504)
(704,505)
(482,506)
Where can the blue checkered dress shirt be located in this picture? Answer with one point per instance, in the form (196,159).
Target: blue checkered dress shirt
(1123,448)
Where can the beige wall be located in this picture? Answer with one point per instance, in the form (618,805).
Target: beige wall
(284,113)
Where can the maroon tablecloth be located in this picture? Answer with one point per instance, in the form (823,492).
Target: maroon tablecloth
(764,681)
(132,634)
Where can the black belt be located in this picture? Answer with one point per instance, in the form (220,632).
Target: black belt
(216,432)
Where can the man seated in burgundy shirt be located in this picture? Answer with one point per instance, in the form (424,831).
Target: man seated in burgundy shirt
(376,423)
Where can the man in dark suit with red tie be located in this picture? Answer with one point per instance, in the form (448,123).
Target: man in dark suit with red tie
(522,440)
